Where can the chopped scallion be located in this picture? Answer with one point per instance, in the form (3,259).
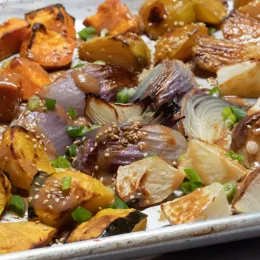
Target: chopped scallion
(72,113)
(61,162)
(93,127)
(71,151)
(87,33)
(17,205)
(76,131)
(81,215)
(79,65)
(150,155)
(230,189)
(181,157)
(212,30)
(122,96)
(66,183)
(103,33)
(226,112)
(190,186)
(50,103)
(118,204)
(192,175)
(33,103)
(215,92)
(238,112)
(235,157)
(99,62)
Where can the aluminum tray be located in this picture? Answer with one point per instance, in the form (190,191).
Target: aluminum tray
(160,237)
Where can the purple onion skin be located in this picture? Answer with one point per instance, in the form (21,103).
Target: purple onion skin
(104,80)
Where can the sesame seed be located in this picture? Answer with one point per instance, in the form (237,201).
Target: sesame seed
(36,196)
(50,207)
(49,196)
(37,222)
(30,199)
(57,200)
(107,154)
(45,201)
(37,183)
(45,229)
(77,197)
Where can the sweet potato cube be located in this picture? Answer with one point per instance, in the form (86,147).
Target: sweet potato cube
(12,33)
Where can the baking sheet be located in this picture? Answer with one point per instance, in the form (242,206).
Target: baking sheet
(159,237)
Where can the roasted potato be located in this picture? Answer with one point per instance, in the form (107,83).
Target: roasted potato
(53,17)
(115,17)
(241,79)
(50,49)
(178,43)
(12,33)
(5,192)
(217,168)
(52,206)
(21,236)
(109,222)
(10,96)
(241,28)
(22,155)
(252,9)
(202,204)
(161,16)
(149,181)
(238,3)
(33,76)
(211,54)
(126,50)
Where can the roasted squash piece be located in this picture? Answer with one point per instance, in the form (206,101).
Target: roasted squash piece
(33,76)
(10,96)
(211,54)
(202,204)
(53,206)
(241,28)
(126,50)
(178,43)
(12,33)
(5,192)
(252,9)
(22,155)
(109,222)
(114,16)
(238,3)
(53,17)
(217,168)
(149,181)
(161,16)
(50,49)
(21,236)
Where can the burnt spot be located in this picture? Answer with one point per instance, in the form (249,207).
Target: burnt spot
(60,16)
(156,16)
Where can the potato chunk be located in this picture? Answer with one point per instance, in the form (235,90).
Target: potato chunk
(53,206)
(10,96)
(125,50)
(238,3)
(12,33)
(178,43)
(21,236)
(109,222)
(241,79)
(252,9)
(5,192)
(50,49)
(202,204)
(114,16)
(21,156)
(150,181)
(216,168)
(33,76)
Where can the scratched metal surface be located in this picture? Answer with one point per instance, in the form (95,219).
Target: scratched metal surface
(159,237)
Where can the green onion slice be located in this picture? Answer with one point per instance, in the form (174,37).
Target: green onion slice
(87,33)
(99,62)
(104,32)
(212,30)
(72,113)
(71,151)
(226,112)
(215,92)
(81,215)
(79,65)
(181,157)
(122,96)
(61,163)
(151,155)
(118,204)
(66,183)
(190,186)
(238,112)
(50,103)
(235,156)
(192,175)
(230,189)
(77,131)
(17,205)
(33,103)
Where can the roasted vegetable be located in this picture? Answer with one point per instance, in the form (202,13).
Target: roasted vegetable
(109,222)
(217,168)
(247,198)
(126,50)
(10,96)
(12,33)
(203,118)
(149,181)
(50,49)
(211,202)
(5,192)
(33,76)
(53,17)
(21,155)
(252,9)
(178,43)
(98,111)
(211,54)
(115,17)
(246,140)
(21,236)
(241,79)
(53,206)
(104,80)
(240,27)
(111,146)
(238,3)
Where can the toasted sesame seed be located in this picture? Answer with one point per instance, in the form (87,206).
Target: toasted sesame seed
(37,183)
(30,199)
(37,222)
(49,196)
(57,200)
(107,154)
(77,197)
(45,229)
(36,196)
(45,201)
(50,207)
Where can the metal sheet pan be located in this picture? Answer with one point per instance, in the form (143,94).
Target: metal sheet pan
(160,237)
